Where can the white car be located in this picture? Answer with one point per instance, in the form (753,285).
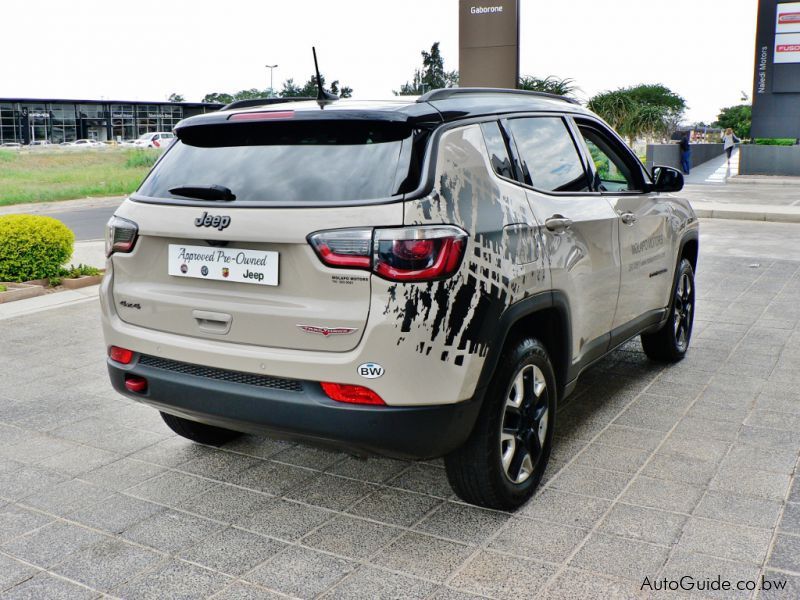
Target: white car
(86,143)
(155,139)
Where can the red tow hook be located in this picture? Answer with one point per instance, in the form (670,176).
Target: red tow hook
(134,383)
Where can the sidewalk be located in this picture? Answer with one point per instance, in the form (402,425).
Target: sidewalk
(715,171)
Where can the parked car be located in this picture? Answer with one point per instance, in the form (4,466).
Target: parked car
(40,143)
(86,143)
(11,145)
(410,278)
(157,139)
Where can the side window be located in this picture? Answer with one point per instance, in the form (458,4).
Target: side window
(550,160)
(496,146)
(613,173)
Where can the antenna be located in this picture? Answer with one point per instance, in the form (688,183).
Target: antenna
(323,97)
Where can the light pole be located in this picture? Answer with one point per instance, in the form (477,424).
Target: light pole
(271,89)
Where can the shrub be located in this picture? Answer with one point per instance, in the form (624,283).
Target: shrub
(142,158)
(33,247)
(3,288)
(775,141)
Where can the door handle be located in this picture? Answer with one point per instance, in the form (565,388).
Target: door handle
(213,322)
(628,218)
(558,223)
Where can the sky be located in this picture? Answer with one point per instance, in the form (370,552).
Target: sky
(147,49)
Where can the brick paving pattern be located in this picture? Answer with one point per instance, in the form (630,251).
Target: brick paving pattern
(656,472)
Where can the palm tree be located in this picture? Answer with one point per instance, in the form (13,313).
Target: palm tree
(550,84)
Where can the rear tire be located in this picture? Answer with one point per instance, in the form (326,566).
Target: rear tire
(502,462)
(199,432)
(670,343)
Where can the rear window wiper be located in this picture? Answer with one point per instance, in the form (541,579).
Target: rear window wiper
(204,192)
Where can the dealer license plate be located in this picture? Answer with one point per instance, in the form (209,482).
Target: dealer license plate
(224,264)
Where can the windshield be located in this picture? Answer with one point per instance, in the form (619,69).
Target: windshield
(145,136)
(300,162)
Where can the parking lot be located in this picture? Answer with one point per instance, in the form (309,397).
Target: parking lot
(658,472)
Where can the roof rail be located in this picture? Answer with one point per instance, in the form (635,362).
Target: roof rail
(446,93)
(262,102)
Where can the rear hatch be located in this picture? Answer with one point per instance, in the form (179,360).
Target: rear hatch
(223,221)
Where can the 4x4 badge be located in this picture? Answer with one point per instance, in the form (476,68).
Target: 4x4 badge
(326,331)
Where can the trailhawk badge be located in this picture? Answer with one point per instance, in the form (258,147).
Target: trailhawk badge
(326,331)
(370,370)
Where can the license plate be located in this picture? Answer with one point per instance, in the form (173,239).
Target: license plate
(224,264)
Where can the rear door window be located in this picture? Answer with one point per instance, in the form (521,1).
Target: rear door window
(298,162)
(550,160)
(498,152)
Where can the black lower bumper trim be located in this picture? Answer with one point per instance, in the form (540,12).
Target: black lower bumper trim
(309,415)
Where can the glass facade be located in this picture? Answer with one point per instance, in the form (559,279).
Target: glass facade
(57,121)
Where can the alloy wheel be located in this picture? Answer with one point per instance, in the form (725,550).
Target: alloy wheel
(524,425)
(683,307)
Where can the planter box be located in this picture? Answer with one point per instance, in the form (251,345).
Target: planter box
(81,282)
(20,291)
(42,282)
(769,160)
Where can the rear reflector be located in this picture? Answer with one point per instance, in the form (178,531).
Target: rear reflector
(134,383)
(120,355)
(261,116)
(352,394)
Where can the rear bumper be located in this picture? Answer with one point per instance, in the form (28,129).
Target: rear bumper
(303,413)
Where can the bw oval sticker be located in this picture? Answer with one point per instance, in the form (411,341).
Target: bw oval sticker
(370,370)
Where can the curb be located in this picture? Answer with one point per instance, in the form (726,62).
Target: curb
(765,179)
(21,308)
(746,212)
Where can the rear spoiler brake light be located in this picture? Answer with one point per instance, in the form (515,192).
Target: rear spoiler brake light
(262,115)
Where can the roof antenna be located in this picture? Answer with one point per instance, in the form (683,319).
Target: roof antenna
(323,97)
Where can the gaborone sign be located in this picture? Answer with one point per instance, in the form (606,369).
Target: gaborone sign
(488,44)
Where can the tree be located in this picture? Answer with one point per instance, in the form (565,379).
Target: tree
(216,97)
(647,110)
(250,94)
(738,118)
(431,76)
(173,97)
(550,84)
(309,89)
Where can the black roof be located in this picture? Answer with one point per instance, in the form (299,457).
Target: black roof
(434,108)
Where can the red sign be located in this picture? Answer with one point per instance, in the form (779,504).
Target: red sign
(787,18)
(788,48)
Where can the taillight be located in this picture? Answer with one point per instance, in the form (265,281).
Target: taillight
(156,144)
(418,253)
(351,248)
(260,116)
(400,254)
(120,355)
(120,235)
(351,394)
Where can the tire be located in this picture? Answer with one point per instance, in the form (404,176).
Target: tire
(670,343)
(517,418)
(199,432)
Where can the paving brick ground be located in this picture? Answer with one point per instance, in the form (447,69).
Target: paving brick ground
(657,472)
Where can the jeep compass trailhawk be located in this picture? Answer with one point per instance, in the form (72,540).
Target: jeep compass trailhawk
(412,278)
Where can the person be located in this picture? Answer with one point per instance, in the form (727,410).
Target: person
(686,153)
(729,140)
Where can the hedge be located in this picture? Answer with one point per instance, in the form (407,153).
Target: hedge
(775,141)
(33,247)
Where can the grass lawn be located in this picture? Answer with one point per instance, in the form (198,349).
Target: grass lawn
(46,176)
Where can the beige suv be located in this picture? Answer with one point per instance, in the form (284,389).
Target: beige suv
(412,278)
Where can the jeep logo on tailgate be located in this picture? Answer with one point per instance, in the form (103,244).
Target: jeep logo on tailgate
(217,221)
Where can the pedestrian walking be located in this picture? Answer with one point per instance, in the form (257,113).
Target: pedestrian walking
(729,140)
(686,153)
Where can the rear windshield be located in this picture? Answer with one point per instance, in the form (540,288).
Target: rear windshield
(299,162)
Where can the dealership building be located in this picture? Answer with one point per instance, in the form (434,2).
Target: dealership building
(26,120)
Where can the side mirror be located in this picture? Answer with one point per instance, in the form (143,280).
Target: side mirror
(667,179)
